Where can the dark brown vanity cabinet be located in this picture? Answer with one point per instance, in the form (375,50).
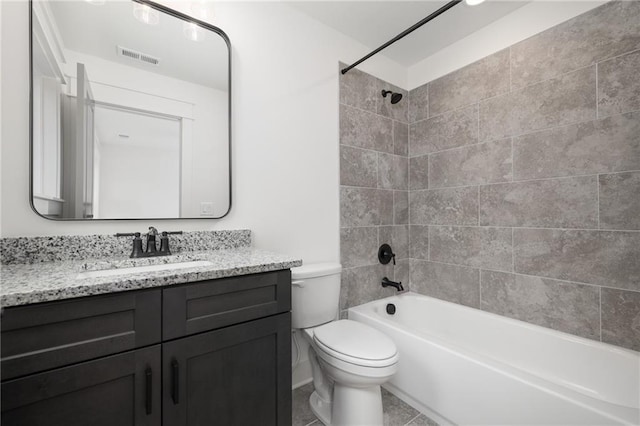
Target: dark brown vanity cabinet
(214,352)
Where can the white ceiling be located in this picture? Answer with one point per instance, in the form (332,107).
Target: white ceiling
(373,23)
(97,30)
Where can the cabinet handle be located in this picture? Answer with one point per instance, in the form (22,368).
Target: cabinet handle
(175,375)
(149,390)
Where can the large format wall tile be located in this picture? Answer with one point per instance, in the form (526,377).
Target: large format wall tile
(358,167)
(364,129)
(358,246)
(552,203)
(393,171)
(477,164)
(568,99)
(385,206)
(400,207)
(620,201)
(365,207)
(600,146)
(419,103)
(397,237)
(621,318)
(481,80)
(400,138)
(450,206)
(488,248)
(457,284)
(572,308)
(449,130)
(619,85)
(601,33)
(419,172)
(359,89)
(419,242)
(608,258)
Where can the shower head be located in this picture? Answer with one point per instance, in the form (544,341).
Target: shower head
(395,97)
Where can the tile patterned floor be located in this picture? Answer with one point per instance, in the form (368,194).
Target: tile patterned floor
(396,411)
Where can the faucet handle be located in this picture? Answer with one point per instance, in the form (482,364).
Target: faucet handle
(152,231)
(386,254)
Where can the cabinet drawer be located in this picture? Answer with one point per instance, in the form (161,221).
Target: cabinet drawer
(212,304)
(49,335)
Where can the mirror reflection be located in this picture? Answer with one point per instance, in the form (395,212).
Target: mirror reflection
(130,112)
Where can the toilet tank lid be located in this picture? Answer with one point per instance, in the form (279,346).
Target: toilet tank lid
(314,270)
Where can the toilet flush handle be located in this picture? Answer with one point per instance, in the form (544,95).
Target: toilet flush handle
(297,283)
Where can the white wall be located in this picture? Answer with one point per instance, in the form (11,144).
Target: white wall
(522,23)
(285,130)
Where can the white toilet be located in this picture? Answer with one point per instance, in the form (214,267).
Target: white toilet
(349,360)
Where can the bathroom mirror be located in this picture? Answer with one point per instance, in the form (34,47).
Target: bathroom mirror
(130,111)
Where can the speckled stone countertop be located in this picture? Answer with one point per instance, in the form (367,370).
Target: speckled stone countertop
(23,284)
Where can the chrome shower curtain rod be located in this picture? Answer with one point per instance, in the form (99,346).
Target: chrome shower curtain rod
(404,33)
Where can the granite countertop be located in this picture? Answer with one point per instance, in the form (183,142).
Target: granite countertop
(23,284)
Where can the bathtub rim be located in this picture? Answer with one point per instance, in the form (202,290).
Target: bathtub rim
(623,413)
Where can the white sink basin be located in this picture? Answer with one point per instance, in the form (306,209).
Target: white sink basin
(140,269)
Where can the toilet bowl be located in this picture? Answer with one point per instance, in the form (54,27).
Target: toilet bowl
(349,360)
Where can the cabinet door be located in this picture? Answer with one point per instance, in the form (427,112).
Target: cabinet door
(117,390)
(239,375)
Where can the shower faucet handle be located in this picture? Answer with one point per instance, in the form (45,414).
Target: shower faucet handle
(386,254)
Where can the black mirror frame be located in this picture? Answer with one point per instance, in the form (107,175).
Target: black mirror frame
(167,11)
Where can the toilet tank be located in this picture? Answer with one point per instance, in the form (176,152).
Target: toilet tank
(315,294)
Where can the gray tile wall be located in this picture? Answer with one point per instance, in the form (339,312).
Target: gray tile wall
(524,180)
(374,186)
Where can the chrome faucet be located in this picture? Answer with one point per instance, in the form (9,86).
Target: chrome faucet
(386,282)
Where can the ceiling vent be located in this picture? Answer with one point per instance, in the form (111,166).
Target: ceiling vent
(137,56)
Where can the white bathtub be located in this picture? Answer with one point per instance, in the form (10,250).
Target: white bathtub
(464,366)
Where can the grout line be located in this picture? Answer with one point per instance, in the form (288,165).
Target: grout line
(480,289)
(513,251)
(429,242)
(369,112)
(513,172)
(631,52)
(600,308)
(533,228)
(598,199)
(367,149)
(478,205)
(597,108)
(529,275)
(516,227)
(522,180)
(452,111)
(478,124)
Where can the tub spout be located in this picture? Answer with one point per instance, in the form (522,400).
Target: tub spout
(386,282)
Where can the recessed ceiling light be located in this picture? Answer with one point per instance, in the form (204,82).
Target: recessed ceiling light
(473,2)
(146,14)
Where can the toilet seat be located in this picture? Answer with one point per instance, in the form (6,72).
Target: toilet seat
(354,343)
